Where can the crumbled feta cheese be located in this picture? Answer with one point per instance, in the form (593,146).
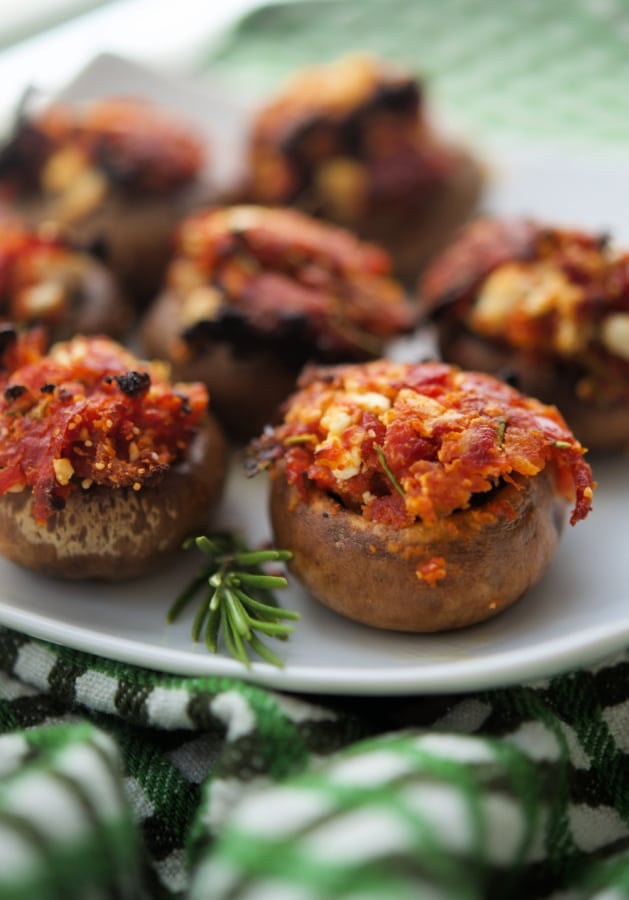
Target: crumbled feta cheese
(615,334)
(202,303)
(336,419)
(64,470)
(533,290)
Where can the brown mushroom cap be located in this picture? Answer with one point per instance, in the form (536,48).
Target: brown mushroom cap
(423,578)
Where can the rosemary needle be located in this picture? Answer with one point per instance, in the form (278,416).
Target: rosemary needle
(387,469)
(237,601)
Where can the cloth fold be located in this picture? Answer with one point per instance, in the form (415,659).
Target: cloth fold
(65,822)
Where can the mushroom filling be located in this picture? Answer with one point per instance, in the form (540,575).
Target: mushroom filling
(402,443)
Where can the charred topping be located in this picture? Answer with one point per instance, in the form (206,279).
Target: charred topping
(293,338)
(349,138)
(131,383)
(186,408)
(14,391)
(98,247)
(132,144)
(23,154)
(8,338)
(346,132)
(310,290)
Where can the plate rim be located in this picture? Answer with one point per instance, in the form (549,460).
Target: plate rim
(500,670)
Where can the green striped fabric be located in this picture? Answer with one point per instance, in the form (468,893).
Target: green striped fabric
(551,69)
(211,787)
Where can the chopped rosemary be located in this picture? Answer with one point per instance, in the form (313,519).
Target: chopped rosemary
(502,427)
(238,602)
(387,471)
(562,445)
(300,439)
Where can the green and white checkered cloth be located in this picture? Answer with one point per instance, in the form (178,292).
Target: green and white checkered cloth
(118,782)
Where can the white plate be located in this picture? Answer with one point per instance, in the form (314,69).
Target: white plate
(577,615)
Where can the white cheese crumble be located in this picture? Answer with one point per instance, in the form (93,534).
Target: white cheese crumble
(615,334)
(64,470)
(339,417)
(535,290)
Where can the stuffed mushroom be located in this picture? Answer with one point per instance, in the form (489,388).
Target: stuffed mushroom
(116,174)
(105,466)
(44,280)
(547,306)
(254,293)
(352,141)
(419,497)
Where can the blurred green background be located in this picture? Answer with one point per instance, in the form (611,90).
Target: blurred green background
(551,69)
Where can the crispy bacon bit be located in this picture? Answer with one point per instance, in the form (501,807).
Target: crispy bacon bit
(432,571)
(81,420)
(449,438)
(479,248)
(280,274)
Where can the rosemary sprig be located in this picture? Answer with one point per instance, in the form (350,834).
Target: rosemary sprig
(238,601)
